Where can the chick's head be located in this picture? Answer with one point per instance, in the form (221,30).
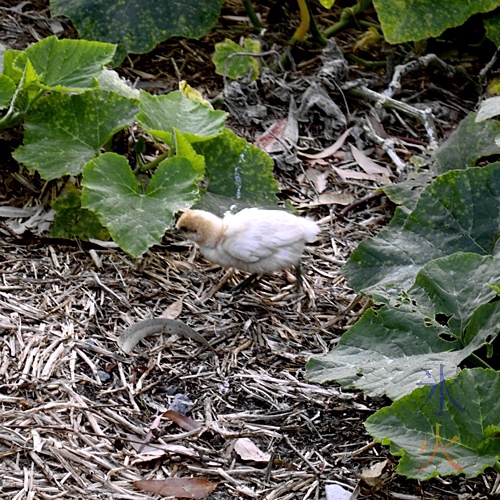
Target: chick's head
(201,227)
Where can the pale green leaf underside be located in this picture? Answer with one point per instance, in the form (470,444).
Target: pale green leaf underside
(3,49)
(459,211)
(489,108)
(409,421)
(386,351)
(111,80)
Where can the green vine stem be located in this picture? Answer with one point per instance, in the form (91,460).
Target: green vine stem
(477,361)
(365,63)
(155,162)
(347,17)
(316,34)
(14,115)
(307,22)
(252,15)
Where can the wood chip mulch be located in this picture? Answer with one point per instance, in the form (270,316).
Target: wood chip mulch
(76,411)
(81,419)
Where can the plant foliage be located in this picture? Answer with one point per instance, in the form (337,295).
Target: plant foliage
(232,60)
(139,26)
(434,273)
(63,132)
(71,220)
(73,109)
(425,18)
(467,433)
(137,216)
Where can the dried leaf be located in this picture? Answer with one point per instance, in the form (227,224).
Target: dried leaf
(269,141)
(247,450)
(173,311)
(280,133)
(132,335)
(149,436)
(345,173)
(368,165)
(180,487)
(186,423)
(147,452)
(331,150)
(373,475)
(332,199)
(318,178)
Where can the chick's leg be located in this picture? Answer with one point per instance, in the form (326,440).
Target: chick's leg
(244,284)
(298,275)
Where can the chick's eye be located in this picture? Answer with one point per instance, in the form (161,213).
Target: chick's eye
(183,229)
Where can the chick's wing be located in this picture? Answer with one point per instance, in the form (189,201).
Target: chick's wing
(251,235)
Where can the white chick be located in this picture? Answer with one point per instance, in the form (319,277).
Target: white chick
(253,240)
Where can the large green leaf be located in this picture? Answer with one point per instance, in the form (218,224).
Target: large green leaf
(484,322)
(459,211)
(238,170)
(492,26)
(161,115)
(386,351)
(469,142)
(409,20)
(140,25)
(135,217)
(455,286)
(63,132)
(68,65)
(7,89)
(52,65)
(408,192)
(71,220)
(426,424)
